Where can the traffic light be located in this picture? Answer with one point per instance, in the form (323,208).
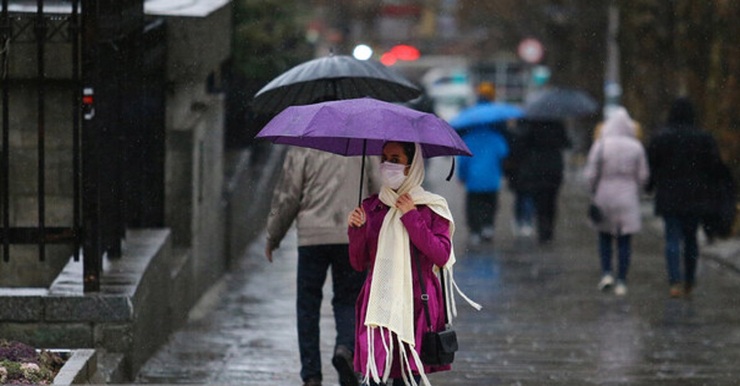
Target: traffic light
(398,52)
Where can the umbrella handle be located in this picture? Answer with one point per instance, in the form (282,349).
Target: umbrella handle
(452,169)
(362,171)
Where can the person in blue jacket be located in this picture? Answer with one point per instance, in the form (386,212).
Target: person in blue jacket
(482,173)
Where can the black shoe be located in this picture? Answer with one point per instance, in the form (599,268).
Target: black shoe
(342,361)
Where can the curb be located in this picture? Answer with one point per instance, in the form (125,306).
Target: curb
(725,252)
(81,367)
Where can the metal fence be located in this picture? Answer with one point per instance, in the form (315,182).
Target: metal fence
(40,29)
(116,97)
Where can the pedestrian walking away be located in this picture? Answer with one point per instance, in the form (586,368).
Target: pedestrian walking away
(389,233)
(616,170)
(540,170)
(482,173)
(312,191)
(523,208)
(684,164)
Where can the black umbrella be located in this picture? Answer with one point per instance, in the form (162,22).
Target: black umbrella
(559,103)
(334,77)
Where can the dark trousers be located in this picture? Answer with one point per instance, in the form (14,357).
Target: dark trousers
(523,209)
(313,264)
(624,252)
(481,209)
(678,230)
(545,204)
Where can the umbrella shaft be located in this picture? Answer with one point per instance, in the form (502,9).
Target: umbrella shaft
(362,171)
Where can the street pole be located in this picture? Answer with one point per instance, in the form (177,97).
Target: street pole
(91,245)
(612,86)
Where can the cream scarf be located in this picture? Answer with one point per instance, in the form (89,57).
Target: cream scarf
(390,305)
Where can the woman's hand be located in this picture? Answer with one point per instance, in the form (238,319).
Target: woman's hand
(405,203)
(356,217)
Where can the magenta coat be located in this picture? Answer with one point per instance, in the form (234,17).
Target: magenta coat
(430,240)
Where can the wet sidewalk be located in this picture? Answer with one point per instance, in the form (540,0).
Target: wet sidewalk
(543,321)
(244,330)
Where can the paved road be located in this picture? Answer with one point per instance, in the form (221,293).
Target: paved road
(543,320)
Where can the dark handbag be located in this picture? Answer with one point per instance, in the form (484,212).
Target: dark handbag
(594,213)
(437,347)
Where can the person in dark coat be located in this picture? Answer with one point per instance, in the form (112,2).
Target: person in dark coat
(523,203)
(539,170)
(683,162)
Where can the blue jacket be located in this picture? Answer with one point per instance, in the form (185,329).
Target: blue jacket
(483,171)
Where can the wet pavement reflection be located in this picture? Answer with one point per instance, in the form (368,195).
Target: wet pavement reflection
(543,321)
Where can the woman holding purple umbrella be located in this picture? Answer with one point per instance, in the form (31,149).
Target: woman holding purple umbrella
(397,236)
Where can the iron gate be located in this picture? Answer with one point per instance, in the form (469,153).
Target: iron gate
(116,73)
(39,29)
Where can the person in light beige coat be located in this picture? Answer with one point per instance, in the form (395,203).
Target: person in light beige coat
(616,171)
(316,191)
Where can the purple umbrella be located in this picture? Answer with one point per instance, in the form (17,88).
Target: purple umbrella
(360,127)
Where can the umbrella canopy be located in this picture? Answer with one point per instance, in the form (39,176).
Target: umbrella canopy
(361,126)
(485,114)
(331,78)
(560,103)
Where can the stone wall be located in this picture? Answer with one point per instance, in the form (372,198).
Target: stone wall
(137,292)
(194,185)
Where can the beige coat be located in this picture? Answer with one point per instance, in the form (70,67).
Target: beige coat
(318,190)
(624,171)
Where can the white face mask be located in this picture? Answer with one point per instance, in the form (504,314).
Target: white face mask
(392,174)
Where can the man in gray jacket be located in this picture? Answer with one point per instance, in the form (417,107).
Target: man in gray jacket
(318,189)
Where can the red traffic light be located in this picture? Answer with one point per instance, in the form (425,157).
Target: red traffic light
(405,52)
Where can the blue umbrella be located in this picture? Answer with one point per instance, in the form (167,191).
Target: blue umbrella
(485,114)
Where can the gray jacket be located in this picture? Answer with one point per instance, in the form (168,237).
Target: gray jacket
(318,190)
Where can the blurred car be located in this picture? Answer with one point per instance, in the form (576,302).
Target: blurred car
(450,90)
